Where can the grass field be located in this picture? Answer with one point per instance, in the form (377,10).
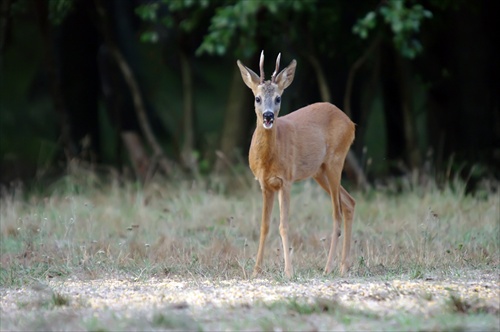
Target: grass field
(80,242)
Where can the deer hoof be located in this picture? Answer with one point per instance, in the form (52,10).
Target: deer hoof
(288,274)
(256,272)
(344,269)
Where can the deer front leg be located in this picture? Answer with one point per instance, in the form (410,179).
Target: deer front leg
(267,209)
(284,201)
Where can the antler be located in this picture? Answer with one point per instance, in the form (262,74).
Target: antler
(261,63)
(273,78)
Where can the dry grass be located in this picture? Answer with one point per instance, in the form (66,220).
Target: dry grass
(85,228)
(189,228)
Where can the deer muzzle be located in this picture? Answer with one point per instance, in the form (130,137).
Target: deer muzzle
(268,119)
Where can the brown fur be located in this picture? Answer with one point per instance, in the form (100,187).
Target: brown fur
(310,142)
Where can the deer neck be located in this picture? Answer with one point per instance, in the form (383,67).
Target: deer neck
(265,142)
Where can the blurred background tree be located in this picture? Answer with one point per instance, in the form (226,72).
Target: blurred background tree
(152,86)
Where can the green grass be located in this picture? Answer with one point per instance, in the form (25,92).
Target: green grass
(86,228)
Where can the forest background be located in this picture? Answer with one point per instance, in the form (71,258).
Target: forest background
(152,87)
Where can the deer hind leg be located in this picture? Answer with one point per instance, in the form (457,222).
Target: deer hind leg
(348,203)
(267,209)
(324,181)
(330,182)
(284,202)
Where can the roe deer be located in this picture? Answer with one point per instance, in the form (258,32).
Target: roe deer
(310,142)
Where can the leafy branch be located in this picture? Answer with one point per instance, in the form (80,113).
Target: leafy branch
(233,25)
(404,22)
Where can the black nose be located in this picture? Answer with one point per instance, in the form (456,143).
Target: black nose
(268,116)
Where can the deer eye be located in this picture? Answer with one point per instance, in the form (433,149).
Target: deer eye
(257,100)
(277,100)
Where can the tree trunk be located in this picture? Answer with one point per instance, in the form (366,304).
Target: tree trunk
(187,150)
(234,122)
(165,164)
(352,74)
(391,94)
(412,151)
(369,88)
(323,87)
(138,155)
(68,145)
(4,24)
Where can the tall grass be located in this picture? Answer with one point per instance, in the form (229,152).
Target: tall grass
(87,228)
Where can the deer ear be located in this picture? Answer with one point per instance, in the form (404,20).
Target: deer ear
(249,77)
(285,77)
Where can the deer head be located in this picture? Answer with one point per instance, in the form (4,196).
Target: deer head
(268,93)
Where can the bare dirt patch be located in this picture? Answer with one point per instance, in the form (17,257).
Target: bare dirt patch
(260,304)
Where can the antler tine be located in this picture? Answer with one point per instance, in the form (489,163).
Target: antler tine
(273,78)
(261,64)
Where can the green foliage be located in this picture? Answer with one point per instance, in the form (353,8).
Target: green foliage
(236,24)
(149,37)
(59,9)
(404,22)
(233,23)
(365,24)
(148,12)
(225,23)
(184,15)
